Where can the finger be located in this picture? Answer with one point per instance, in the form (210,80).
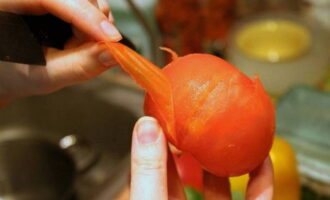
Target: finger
(149,157)
(22,7)
(260,184)
(174,185)
(103,7)
(80,13)
(110,17)
(85,16)
(216,188)
(82,37)
(73,42)
(94,3)
(70,66)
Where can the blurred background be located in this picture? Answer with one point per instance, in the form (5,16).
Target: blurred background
(87,127)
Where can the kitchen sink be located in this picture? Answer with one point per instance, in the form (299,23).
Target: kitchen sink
(101,112)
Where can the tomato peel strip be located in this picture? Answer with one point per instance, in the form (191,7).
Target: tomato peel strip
(148,76)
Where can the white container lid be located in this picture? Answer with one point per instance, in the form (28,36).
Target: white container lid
(282,49)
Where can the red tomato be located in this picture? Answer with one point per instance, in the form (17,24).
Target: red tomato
(190,172)
(222,117)
(207,108)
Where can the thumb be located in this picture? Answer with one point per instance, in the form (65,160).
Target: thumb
(72,66)
(149,155)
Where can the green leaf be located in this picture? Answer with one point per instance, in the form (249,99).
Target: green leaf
(192,194)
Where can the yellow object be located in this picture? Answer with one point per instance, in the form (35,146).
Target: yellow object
(238,186)
(273,40)
(286,177)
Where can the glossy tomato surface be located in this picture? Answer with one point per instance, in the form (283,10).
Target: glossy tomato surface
(222,117)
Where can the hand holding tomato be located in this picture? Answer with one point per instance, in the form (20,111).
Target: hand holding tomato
(154,175)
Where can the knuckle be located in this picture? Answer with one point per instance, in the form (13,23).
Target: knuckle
(89,72)
(149,164)
(81,73)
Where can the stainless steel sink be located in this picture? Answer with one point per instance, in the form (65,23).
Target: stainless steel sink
(99,111)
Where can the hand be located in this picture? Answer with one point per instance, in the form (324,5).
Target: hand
(82,58)
(154,176)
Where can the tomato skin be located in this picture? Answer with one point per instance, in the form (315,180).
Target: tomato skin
(222,117)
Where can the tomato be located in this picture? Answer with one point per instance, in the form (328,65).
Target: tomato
(222,117)
(207,108)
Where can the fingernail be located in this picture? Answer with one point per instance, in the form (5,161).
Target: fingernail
(106,59)
(147,131)
(110,30)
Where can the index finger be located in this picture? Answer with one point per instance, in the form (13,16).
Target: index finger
(80,13)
